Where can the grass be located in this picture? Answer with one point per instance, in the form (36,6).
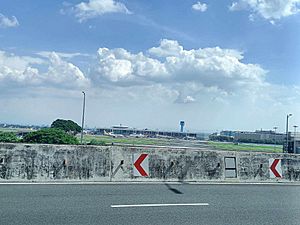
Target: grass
(166,142)
(106,140)
(245,147)
(133,141)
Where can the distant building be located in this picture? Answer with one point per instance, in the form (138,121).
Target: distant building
(220,137)
(126,131)
(120,127)
(202,136)
(228,133)
(258,136)
(293,143)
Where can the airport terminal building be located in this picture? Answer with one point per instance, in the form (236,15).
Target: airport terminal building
(126,131)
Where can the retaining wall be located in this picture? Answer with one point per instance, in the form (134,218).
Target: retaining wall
(30,162)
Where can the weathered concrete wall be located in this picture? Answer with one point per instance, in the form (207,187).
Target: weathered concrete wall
(172,164)
(50,162)
(22,162)
(255,166)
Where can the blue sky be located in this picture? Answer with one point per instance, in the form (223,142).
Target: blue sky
(238,63)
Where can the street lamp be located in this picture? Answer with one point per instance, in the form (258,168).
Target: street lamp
(295,129)
(287,133)
(82,121)
(275,128)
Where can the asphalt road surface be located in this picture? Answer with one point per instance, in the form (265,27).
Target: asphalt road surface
(173,204)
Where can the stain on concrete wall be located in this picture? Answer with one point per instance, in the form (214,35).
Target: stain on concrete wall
(253,167)
(291,168)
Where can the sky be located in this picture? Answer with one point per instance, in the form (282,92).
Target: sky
(217,65)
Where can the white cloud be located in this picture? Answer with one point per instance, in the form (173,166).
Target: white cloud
(65,74)
(17,62)
(167,48)
(212,88)
(17,70)
(188,99)
(24,72)
(6,22)
(66,55)
(124,68)
(187,74)
(94,8)
(268,9)
(202,7)
(170,63)
(185,99)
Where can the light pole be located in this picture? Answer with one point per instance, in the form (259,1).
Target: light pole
(295,129)
(287,133)
(275,128)
(82,121)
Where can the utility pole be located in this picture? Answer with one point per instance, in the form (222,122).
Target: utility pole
(295,129)
(82,121)
(287,133)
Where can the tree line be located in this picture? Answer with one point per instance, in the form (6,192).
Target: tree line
(60,132)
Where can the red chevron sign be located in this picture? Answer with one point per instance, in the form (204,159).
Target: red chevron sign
(141,165)
(275,168)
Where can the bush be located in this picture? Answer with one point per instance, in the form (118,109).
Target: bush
(8,137)
(50,136)
(96,142)
(68,126)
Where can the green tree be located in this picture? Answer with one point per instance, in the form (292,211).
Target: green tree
(68,126)
(50,136)
(8,137)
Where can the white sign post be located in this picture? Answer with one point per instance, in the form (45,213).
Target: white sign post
(275,168)
(140,165)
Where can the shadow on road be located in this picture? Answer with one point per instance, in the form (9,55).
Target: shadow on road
(176,191)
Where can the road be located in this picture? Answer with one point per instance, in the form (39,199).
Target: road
(102,204)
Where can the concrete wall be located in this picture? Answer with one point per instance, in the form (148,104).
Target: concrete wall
(25,162)
(172,164)
(52,162)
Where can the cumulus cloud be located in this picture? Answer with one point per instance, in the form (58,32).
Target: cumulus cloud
(268,9)
(16,70)
(204,83)
(94,8)
(6,22)
(122,67)
(64,74)
(16,62)
(169,68)
(23,71)
(202,7)
(170,63)
(166,48)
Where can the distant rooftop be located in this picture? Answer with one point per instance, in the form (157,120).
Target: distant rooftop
(120,127)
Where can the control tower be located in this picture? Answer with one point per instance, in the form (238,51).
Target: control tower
(181,126)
